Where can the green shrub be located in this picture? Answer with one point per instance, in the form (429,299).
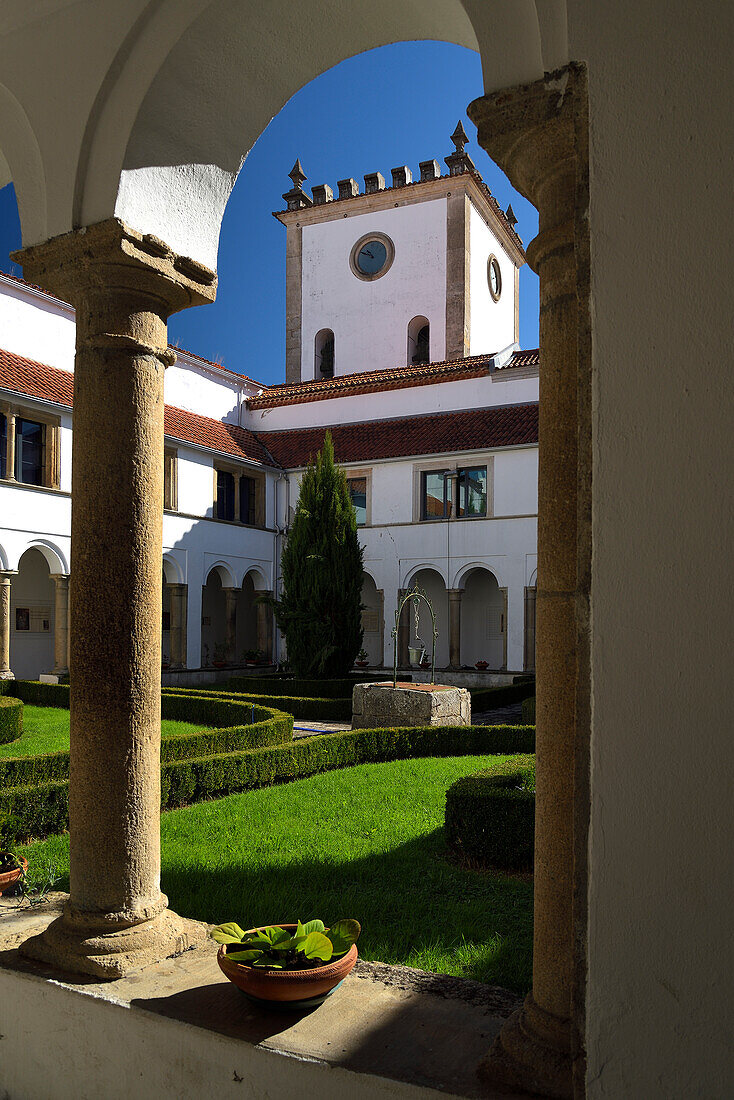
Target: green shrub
(528,711)
(40,695)
(490,816)
(11,719)
(41,807)
(298,688)
(338,710)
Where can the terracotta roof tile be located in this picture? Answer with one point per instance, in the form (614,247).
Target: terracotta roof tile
(33,379)
(348,385)
(473,430)
(215,434)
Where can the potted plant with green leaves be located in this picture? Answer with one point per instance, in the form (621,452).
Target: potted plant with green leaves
(251,657)
(12,869)
(220,656)
(481,665)
(294,965)
(362,659)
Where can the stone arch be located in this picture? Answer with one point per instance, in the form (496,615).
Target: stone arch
(373,619)
(55,558)
(4,560)
(483,618)
(21,162)
(32,617)
(432,580)
(224,572)
(463,572)
(413,570)
(172,571)
(258,578)
(145,134)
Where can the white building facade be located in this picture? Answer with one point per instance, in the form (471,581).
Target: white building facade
(402,319)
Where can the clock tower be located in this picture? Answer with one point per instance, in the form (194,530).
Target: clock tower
(419,271)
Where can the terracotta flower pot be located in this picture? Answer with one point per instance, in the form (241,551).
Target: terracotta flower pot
(287,986)
(9,878)
(481,665)
(362,664)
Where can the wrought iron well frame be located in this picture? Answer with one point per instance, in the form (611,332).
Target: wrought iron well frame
(416,594)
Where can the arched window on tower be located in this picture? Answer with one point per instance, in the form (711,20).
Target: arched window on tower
(419,341)
(324,354)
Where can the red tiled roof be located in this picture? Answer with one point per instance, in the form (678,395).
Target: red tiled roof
(35,379)
(215,434)
(50,384)
(473,430)
(394,378)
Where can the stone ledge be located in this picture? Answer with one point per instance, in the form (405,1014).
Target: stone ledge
(387,1031)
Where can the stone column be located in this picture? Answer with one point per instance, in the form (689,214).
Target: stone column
(230,624)
(61,623)
(403,640)
(124,287)
(455,595)
(265,625)
(10,453)
(5,671)
(178,596)
(536,133)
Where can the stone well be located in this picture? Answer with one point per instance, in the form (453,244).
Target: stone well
(382,705)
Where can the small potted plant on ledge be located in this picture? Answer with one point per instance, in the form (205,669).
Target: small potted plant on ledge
(288,965)
(481,665)
(12,869)
(220,656)
(362,659)
(251,656)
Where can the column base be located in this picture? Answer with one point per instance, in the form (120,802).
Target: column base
(111,946)
(7,675)
(532,1053)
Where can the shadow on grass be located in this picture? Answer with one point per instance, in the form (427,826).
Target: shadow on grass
(415,908)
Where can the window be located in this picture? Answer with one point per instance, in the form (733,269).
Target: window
(324,354)
(358,492)
(225,494)
(438,488)
(30,448)
(419,341)
(240,497)
(472,491)
(248,490)
(436,494)
(170,480)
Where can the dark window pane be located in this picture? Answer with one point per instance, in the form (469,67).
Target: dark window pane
(473,491)
(29,452)
(3,443)
(225,495)
(421,354)
(247,500)
(436,502)
(358,492)
(327,358)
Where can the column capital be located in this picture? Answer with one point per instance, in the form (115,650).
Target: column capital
(109,260)
(6,574)
(455,593)
(60,578)
(530,132)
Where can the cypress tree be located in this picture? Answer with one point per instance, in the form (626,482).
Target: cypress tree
(320,609)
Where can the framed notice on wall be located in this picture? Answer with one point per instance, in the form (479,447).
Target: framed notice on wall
(22,618)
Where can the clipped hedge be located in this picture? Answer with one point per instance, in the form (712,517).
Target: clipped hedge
(490,815)
(504,695)
(43,808)
(11,719)
(40,695)
(336,710)
(301,689)
(528,711)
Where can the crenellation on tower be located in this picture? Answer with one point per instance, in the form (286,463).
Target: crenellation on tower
(374,182)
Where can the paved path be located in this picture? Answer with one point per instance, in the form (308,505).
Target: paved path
(500,716)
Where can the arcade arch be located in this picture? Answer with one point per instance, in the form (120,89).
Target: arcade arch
(32,599)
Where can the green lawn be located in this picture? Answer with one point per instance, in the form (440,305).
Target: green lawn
(46,729)
(364,842)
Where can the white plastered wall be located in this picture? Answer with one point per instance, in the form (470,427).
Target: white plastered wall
(660,955)
(36,326)
(491,324)
(370,319)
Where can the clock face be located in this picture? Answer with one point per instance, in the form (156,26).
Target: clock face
(494,277)
(371,257)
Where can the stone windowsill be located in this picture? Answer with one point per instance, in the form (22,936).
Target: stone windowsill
(406,1032)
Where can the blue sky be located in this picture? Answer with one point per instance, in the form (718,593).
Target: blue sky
(387,107)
